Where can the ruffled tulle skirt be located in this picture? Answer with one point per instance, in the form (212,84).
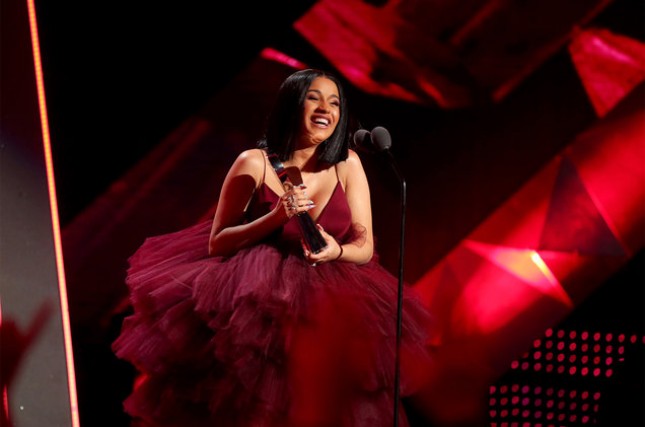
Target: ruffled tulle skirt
(262,339)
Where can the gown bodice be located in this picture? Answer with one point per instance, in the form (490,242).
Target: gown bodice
(335,216)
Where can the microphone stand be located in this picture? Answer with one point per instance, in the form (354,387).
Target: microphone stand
(399,307)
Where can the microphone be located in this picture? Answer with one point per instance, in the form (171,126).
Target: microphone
(379,137)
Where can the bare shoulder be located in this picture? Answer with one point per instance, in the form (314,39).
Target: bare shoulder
(252,157)
(353,163)
(250,160)
(350,168)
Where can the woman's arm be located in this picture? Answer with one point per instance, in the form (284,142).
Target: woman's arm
(361,248)
(229,233)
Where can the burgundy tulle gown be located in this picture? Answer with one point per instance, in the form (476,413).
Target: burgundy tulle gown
(261,338)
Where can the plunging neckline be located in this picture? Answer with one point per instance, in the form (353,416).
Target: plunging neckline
(322,211)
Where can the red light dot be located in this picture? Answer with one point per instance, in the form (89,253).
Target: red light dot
(560,333)
(503,401)
(596,336)
(584,335)
(572,346)
(572,358)
(515,411)
(515,364)
(526,413)
(585,419)
(537,355)
(596,348)
(537,402)
(621,338)
(549,416)
(596,360)
(525,366)
(526,401)
(560,345)
(573,418)
(525,389)
(621,350)
(548,332)
(584,359)
(585,394)
(549,368)
(573,393)
(608,349)
(549,404)
(561,393)
(560,369)
(609,372)
(596,395)
(584,371)
(560,357)
(572,370)
(549,344)
(560,417)
(609,337)
(596,372)
(549,392)
(584,407)
(515,400)
(537,390)
(608,361)
(492,413)
(503,389)
(538,414)
(572,334)
(584,347)
(492,401)
(504,413)
(515,388)
(573,406)
(537,366)
(537,343)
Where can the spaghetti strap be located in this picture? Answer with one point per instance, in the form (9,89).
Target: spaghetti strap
(264,171)
(338,176)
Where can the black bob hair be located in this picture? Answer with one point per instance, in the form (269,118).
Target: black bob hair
(285,119)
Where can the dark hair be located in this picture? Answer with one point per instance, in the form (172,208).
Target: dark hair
(285,119)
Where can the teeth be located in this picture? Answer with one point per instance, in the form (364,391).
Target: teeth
(321,121)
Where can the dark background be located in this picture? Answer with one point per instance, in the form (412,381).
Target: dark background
(123,76)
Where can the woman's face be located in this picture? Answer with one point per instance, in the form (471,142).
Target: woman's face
(321,111)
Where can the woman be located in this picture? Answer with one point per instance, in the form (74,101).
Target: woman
(238,323)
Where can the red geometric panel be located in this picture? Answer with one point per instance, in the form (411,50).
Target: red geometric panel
(525,265)
(573,223)
(609,65)
(519,224)
(540,254)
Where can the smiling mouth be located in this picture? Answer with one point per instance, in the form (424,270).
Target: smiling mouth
(321,122)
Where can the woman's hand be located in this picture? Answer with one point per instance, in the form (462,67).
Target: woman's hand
(332,252)
(295,200)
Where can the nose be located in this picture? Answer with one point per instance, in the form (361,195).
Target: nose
(323,108)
